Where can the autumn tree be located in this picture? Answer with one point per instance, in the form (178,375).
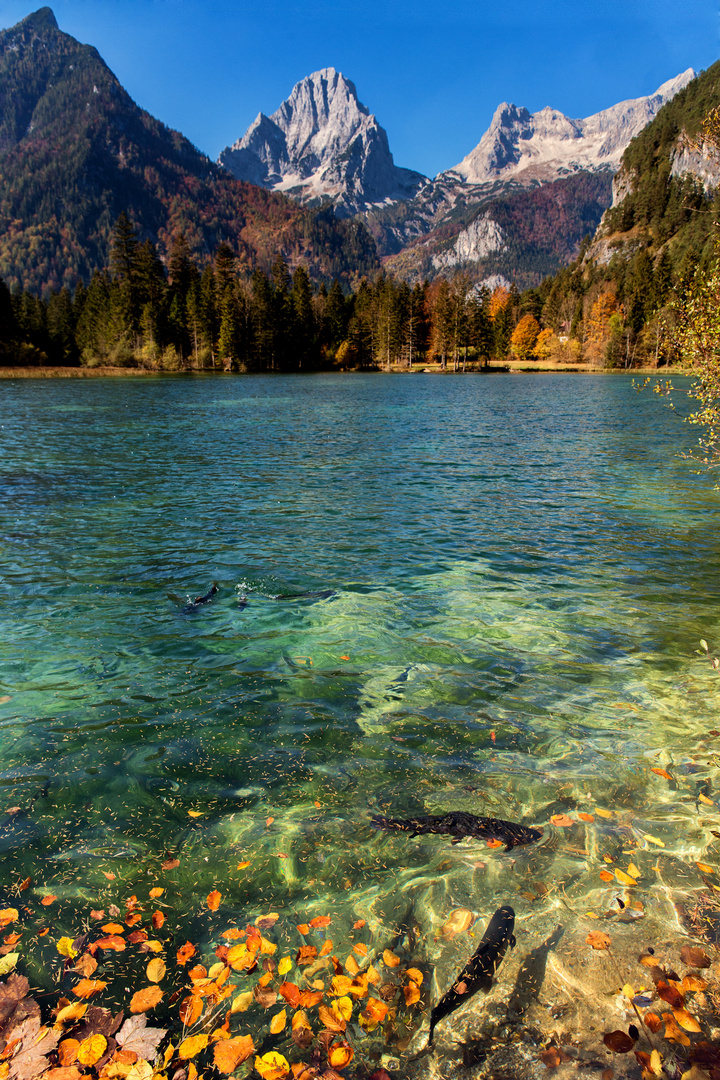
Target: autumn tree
(524,337)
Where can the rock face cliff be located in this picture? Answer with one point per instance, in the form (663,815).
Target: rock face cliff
(322,144)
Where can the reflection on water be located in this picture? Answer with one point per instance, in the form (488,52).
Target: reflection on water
(433,594)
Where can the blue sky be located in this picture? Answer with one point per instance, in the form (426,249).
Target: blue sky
(433,71)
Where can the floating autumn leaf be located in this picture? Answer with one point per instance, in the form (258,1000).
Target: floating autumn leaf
(373,1014)
(416,975)
(155,970)
(359,924)
(113,928)
(242,1002)
(670,994)
(75,1011)
(341,984)
(114,942)
(109,875)
(278,1022)
(156,892)
(213,900)
(87,987)
(654,840)
(146,999)
(170,864)
(390,959)
(412,993)
(704,799)
(685,1020)
(272,1066)
(91,1049)
(603,813)
(585,817)
(135,1037)
(330,1020)
(303,928)
(291,993)
(8,915)
(8,962)
(704,868)
(320,921)
(185,953)
(267,947)
(67,1051)
(662,772)
(598,939)
(306,954)
(190,1009)
(48,900)
(328,948)
(86,965)
(191,1047)
(264,996)
(229,1053)
(652,1021)
(195,813)
(269,821)
(340,1055)
(458,921)
(284,966)
(605,875)
(562,820)
(694,957)
(692,983)
(672,1030)
(624,878)
(133,918)
(494,842)
(65,947)
(618,1041)
(242,865)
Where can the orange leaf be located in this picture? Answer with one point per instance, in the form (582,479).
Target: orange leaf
(605,875)
(269,821)
(412,994)
(306,954)
(88,987)
(213,900)
(340,1056)
(158,919)
(114,942)
(586,817)
(360,949)
(704,868)
(704,799)
(308,998)
(154,893)
(133,918)
(242,865)
(562,820)
(190,1009)
(278,1022)
(291,993)
(624,878)
(112,928)
(109,875)
(170,864)
(155,970)
(8,915)
(302,927)
(330,1020)
(494,843)
(230,1053)
(11,939)
(598,939)
(146,999)
(359,924)
(68,1051)
(48,900)
(390,958)
(327,948)
(662,772)
(320,921)
(185,952)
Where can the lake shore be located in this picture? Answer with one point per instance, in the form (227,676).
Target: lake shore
(515,366)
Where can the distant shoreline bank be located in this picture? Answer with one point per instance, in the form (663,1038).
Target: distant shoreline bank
(510,367)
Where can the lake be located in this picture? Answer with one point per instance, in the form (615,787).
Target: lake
(433,593)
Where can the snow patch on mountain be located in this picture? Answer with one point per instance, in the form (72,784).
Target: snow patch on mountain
(322,143)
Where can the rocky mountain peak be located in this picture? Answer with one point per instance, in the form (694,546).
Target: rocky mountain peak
(42,19)
(321,143)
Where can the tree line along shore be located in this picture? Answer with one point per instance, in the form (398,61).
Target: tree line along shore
(139,315)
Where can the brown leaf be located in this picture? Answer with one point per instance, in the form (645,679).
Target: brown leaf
(29,1060)
(618,1041)
(86,965)
(694,957)
(135,1036)
(652,1021)
(170,864)
(670,994)
(264,997)
(552,1056)
(229,1053)
(146,999)
(306,954)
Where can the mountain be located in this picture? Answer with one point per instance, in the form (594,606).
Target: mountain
(322,145)
(76,151)
(475,216)
(545,145)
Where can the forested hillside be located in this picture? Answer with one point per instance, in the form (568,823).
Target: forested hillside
(75,152)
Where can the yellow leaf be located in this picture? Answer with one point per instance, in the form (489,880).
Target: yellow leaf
(8,915)
(242,865)
(342,1007)
(603,813)
(189,1048)
(267,947)
(340,1056)
(704,799)
(654,840)
(390,958)
(195,813)
(242,1002)
(633,870)
(624,878)
(656,1063)
(704,868)
(415,975)
(278,1022)
(154,893)
(76,1011)
(685,1020)
(272,1066)
(628,991)
(155,970)
(92,1049)
(65,947)
(285,965)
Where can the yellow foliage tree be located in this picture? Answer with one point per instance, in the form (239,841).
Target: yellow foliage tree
(524,337)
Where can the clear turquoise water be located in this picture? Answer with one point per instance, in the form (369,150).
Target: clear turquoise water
(521,570)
